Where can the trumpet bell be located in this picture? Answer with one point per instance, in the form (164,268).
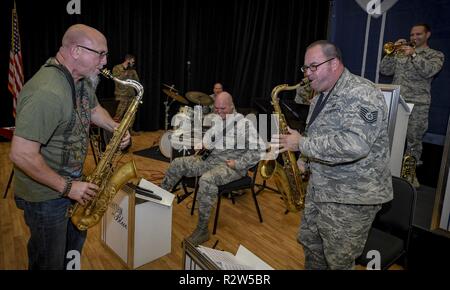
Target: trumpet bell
(389,47)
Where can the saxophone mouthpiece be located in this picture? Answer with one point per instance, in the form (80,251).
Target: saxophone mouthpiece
(106,73)
(304,82)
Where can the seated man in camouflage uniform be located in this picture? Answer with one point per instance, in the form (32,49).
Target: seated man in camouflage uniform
(233,148)
(414,68)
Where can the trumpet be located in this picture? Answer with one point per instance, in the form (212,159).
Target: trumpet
(391,47)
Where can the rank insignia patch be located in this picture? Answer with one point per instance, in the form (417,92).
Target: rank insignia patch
(367,116)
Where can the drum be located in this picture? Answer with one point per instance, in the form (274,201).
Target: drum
(208,120)
(165,145)
(188,111)
(183,118)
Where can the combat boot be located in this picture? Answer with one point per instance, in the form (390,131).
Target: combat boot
(199,236)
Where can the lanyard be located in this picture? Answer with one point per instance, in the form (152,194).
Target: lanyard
(319,106)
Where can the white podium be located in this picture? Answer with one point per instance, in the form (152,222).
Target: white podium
(399,112)
(138,229)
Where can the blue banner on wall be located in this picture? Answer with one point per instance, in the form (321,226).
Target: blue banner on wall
(361,27)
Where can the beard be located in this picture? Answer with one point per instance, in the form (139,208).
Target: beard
(94,80)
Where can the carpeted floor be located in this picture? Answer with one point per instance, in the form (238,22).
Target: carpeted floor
(153,153)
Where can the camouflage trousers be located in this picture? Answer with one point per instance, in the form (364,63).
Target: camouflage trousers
(211,177)
(417,126)
(333,235)
(124,103)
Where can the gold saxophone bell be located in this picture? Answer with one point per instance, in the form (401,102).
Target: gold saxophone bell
(392,48)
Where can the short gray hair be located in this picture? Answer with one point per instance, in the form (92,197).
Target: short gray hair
(328,49)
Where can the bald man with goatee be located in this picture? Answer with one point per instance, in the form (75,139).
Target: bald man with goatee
(54,111)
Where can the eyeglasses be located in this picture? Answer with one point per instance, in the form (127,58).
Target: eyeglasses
(100,53)
(313,67)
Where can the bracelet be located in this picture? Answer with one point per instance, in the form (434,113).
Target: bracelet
(67,187)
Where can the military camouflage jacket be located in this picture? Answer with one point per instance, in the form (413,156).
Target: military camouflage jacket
(347,145)
(234,139)
(414,74)
(121,73)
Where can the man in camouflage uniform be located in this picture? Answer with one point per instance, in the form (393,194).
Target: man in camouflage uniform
(347,147)
(233,148)
(414,68)
(124,94)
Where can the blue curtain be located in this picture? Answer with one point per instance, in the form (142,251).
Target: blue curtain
(348,25)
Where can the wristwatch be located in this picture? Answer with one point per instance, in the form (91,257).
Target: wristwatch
(67,187)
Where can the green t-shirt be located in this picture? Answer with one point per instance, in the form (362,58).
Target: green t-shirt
(45,114)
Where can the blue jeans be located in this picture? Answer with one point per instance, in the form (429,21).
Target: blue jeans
(52,233)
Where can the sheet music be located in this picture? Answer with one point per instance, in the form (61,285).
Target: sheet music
(225,260)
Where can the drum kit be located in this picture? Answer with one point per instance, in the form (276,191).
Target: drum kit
(183,120)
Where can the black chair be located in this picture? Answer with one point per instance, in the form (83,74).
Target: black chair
(186,182)
(245,182)
(391,230)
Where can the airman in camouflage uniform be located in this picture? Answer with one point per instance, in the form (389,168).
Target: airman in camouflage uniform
(124,94)
(230,157)
(414,70)
(347,148)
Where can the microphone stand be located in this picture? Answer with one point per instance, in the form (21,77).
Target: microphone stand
(167,105)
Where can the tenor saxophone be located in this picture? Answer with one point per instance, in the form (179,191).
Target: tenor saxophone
(288,178)
(108,180)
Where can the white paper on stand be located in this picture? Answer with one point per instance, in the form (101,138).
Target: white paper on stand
(167,197)
(243,260)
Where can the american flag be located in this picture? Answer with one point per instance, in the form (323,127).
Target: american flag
(15,75)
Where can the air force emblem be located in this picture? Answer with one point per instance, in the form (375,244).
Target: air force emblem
(367,116)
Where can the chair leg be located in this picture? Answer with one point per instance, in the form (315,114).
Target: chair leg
(175,187)
(9,183)
(217,213)
(195,199)
(264,186)
(256,204)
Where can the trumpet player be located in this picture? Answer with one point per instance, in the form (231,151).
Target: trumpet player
(414,68)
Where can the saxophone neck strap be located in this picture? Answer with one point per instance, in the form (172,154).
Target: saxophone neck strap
(320,105)
(69,78)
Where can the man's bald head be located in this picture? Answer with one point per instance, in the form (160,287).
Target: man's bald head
(81,34)
(223,104)
(83,51)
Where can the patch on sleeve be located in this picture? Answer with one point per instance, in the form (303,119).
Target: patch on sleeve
(367,116)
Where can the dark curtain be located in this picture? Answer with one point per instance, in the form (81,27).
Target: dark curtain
(248,45)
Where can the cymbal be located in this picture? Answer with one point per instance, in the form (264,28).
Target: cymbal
(199,98)
(175,96)
(172,87)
